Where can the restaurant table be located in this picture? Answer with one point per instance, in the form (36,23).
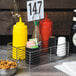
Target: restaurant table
(41,70)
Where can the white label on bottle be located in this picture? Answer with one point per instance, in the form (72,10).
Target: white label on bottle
(35,10)
(74,39)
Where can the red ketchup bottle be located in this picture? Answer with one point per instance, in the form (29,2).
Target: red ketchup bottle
(45,28)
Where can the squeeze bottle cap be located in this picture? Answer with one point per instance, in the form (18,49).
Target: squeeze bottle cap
(20,23)
(46,19)
(46,16)
(74,18)
(20,20)
(74,10)
(36,23)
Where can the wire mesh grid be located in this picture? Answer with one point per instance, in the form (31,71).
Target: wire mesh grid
(39,56)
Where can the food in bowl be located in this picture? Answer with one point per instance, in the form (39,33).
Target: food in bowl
(7,64)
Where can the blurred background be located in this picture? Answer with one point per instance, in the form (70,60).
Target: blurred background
(59,11)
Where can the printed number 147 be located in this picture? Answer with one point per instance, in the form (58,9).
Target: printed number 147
(35,7)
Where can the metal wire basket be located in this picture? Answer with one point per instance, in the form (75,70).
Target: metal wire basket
(38,56)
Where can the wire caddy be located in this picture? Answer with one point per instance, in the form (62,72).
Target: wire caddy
(36,57)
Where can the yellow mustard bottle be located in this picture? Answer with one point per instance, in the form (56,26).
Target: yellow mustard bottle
(19,40)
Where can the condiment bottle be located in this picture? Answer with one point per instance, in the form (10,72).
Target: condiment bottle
(73,34)
(45,28)
(19,40)
(36,30)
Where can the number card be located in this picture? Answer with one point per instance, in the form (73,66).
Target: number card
(35,10)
